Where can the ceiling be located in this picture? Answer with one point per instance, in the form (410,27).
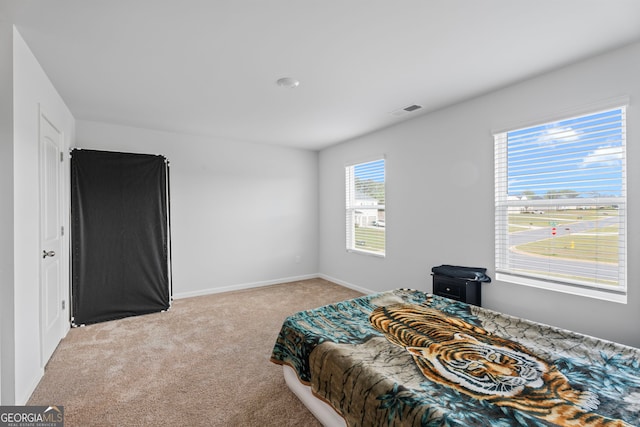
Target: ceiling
(209,67)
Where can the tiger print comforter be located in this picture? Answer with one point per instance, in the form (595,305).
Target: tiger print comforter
(406,358)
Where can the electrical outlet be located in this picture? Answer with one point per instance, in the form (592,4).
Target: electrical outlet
(297,259)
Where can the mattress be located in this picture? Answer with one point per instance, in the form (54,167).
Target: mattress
(320,409)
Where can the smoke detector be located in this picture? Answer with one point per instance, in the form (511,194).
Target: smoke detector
(288,82)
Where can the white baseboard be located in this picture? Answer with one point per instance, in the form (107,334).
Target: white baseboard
(210,291)
(347,284)
(22,400)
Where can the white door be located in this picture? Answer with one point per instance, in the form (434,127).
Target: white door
(51,291)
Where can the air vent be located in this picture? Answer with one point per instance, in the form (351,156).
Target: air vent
(413,107)
(406,110)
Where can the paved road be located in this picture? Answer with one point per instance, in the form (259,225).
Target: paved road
(563,265)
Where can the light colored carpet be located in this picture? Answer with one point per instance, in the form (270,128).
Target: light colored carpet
(205,362)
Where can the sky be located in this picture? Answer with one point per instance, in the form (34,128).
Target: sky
(584,155)
(371,170)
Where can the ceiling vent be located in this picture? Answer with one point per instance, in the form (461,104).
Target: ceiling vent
(406,110)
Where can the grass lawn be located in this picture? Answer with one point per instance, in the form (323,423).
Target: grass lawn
(370,239)
(597,245)
(525,221)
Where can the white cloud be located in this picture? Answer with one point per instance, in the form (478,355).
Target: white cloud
(603,156)
(553,136)
(564,134)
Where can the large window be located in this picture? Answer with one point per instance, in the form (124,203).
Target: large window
(365,198)
(560,199)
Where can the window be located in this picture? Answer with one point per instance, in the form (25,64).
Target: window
(560,199)
(365,198)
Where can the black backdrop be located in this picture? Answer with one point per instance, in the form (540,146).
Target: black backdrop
(120,235)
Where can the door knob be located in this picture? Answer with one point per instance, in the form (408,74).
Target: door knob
(46,254)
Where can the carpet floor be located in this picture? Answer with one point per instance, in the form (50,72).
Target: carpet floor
(204,362)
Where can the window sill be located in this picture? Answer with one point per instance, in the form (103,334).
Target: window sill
(604,295)
(362,252)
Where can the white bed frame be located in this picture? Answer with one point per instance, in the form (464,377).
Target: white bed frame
(319,408)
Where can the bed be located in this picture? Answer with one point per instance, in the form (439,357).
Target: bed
(408,358)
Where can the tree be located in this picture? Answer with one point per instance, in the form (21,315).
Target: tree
(371,188)
(561,194)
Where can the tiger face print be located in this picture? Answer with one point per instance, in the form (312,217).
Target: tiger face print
(482,368)
(467,358)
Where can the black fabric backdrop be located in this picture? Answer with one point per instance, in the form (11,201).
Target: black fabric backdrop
(119,212)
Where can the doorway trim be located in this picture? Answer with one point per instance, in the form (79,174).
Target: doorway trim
(61,326)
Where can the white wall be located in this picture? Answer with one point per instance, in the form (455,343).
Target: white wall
(241,213)
(440,191)
(32,90)
(6,214)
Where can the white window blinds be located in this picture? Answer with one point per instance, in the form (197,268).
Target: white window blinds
(365,207)
(560,199)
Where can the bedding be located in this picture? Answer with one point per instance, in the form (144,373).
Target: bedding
(407,358)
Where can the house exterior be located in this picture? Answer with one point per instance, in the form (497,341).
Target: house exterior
(365,216)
